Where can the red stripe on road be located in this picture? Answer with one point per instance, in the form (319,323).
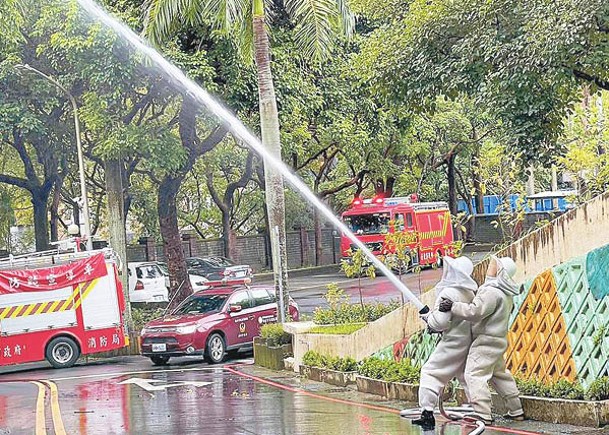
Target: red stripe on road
(360,405)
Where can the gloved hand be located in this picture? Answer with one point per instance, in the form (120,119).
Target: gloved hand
(432,331)
(445,305)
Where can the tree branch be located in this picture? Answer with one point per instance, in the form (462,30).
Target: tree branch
(603,84)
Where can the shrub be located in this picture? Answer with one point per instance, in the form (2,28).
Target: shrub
(314,359)
(346,313)
(274,334)
(344,329)
(564,389)
(143,315)
(390,370)
(531,387)
(599,389)
(561,389)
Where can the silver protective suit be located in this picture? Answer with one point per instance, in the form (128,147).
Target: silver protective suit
(489,313)
(448,359)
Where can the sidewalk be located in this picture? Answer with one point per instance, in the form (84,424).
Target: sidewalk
(295,381)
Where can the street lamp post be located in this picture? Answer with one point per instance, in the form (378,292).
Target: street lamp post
(81,165)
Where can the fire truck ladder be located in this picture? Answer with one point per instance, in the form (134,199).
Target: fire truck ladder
(429,205)
(50,258)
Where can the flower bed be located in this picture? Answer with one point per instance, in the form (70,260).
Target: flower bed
(272,347)
(329,376)
(388,390)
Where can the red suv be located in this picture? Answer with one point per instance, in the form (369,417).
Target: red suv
(211,323)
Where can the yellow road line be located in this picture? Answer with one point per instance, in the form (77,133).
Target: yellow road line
(56,411)
(40,418)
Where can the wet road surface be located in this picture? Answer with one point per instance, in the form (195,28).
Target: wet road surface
(309,291)
(131,396)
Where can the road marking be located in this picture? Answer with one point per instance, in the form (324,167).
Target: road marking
(147,384)
(40,418)
(56,411)
(136,372)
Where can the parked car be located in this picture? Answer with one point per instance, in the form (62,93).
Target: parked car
(197,282)
(211,323)
(147,283)
(220,270)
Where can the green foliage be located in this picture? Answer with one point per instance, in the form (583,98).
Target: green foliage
(274,334)
(143,315)
(399,247)
(358,265)
(314,359)
(599,335)
(390,370)
(340,311)
(561,389)
(468,48)
(599,389)
(340,329)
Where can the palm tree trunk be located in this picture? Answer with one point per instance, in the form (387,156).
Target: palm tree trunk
(269,126)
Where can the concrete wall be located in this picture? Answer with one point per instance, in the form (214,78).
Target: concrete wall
(573,234)
(364,342)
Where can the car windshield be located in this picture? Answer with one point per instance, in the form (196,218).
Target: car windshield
(202,304)
(377,223)
(150,271)
(221,261)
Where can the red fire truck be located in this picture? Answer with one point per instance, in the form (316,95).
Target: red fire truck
(372,219)
(60,306)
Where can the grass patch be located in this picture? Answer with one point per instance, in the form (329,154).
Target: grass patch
(342,329)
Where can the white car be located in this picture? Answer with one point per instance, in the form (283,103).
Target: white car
(147,283)
(197,282)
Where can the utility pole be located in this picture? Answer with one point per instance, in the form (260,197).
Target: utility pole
(81,164)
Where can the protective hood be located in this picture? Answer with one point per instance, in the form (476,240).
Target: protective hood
(457,274)
(506,269)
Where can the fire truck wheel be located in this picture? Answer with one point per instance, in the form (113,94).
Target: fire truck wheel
(159,360)
(215,349)
(62,352)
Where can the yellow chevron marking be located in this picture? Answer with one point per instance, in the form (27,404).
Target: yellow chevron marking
(29,309)
(68,302)
(42,307)
(53,307)
(91,287)
(17,311)
(5,312)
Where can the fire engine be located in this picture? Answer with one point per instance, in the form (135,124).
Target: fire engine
(429,222)
(58,306)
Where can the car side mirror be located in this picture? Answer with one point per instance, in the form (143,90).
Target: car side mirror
(235,308)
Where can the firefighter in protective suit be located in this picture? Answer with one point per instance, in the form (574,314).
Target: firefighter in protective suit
(448,359)
(489,313)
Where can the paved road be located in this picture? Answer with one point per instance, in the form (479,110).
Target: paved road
(131,396)
(309,290)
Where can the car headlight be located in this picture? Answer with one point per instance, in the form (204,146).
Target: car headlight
(186,329)
(145,331)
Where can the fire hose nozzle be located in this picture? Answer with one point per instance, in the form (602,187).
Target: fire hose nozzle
(424,310)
